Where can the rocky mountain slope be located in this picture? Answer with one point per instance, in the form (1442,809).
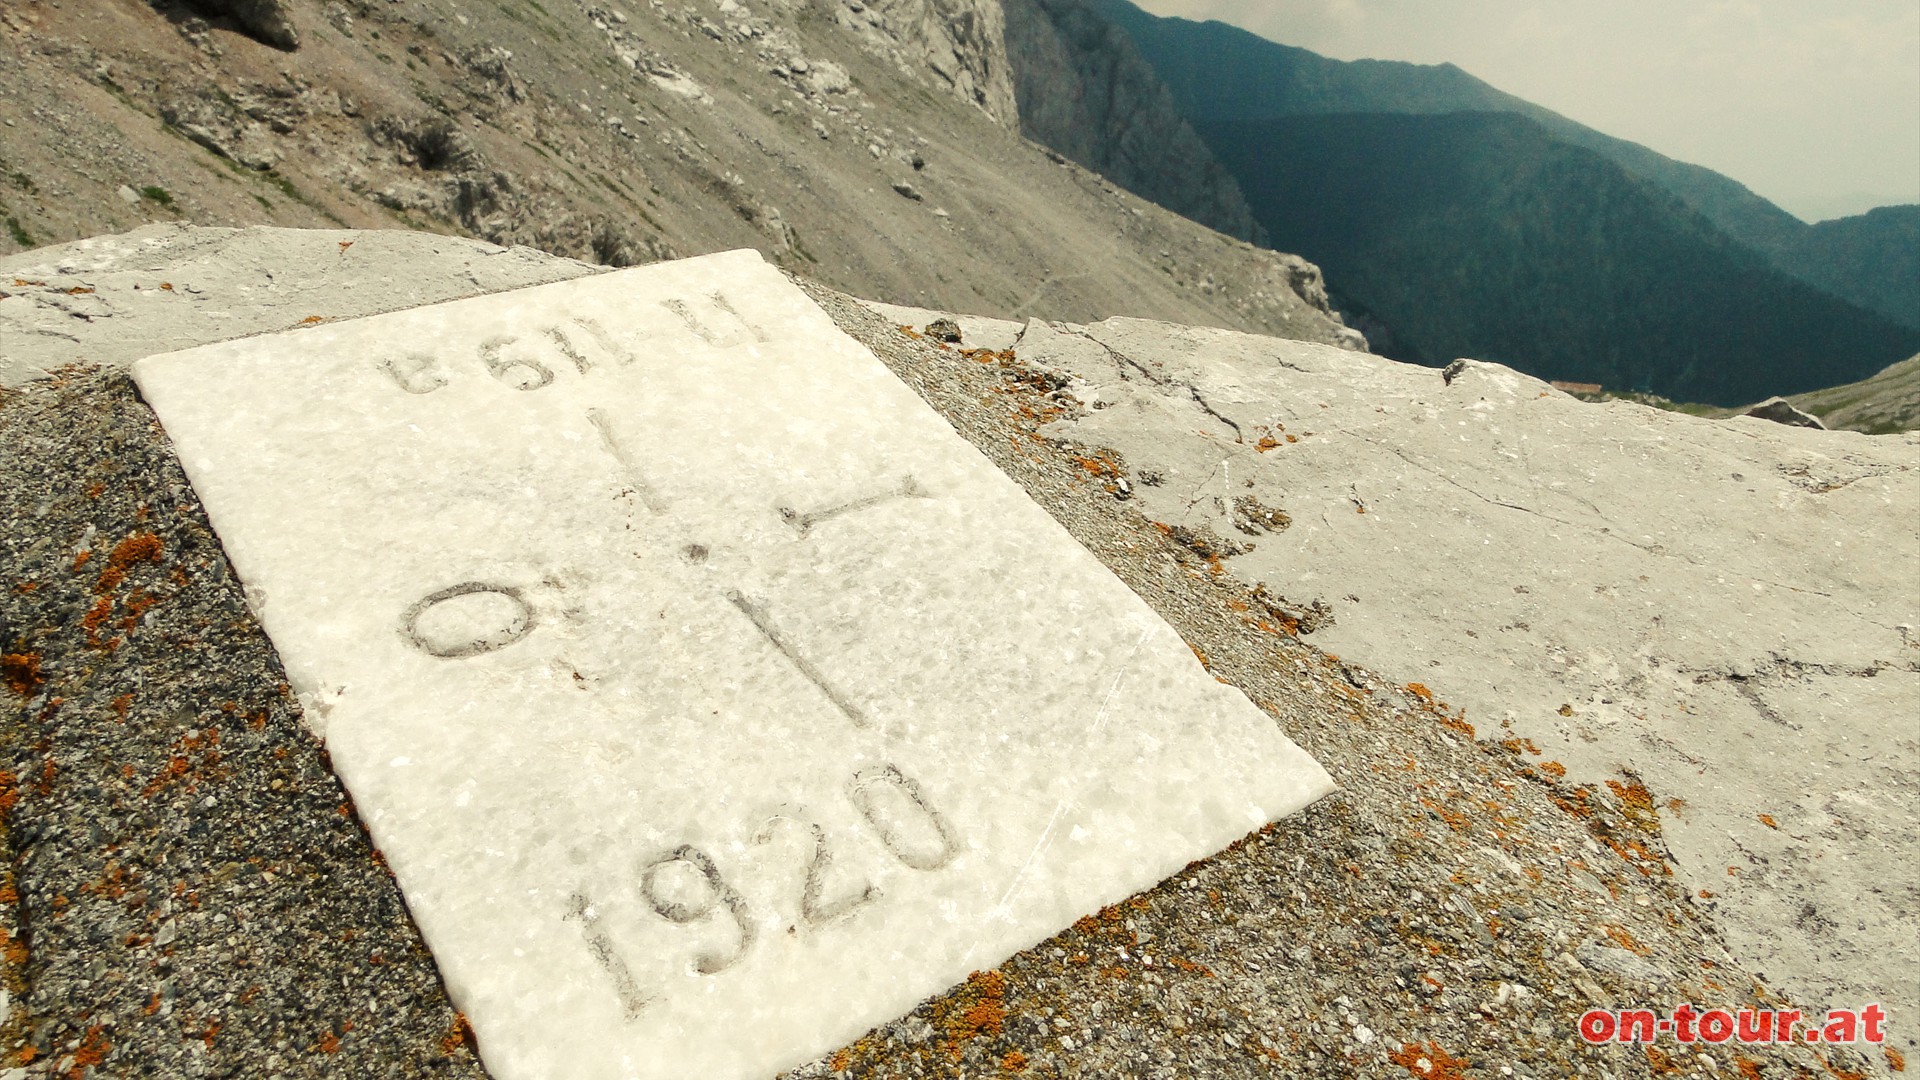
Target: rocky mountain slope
(1085,91)
(1886,402)
(192,895)
(614,133)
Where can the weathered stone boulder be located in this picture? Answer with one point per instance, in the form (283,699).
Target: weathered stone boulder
(267,21)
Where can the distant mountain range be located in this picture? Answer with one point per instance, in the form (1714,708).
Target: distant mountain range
(1465,221)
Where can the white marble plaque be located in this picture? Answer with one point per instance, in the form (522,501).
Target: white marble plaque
(711,699)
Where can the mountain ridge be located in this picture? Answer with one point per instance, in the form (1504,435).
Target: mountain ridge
(1478,234)
(1217,72)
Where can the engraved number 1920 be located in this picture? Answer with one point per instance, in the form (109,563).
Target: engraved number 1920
(684,886)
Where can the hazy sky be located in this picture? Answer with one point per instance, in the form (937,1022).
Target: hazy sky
(1814,104)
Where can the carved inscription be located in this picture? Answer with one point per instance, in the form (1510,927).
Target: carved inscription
(738,330)
(416,373)
(757,614)
(804,522)
(648,497)
(632,1001)
(813,910)
(684,886)
(528,363)
(924,844)
(467,619)
(668,887)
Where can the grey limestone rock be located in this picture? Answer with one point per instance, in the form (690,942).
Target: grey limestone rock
(267,21)
(1781,411)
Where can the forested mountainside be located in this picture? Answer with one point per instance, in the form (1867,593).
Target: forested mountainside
(1218,73)
(1482,235)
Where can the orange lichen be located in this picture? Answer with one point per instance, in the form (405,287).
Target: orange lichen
(977,1008)
(94,618)
(1633,794)
(1015,1061)
(138,602)
(1455,820)
(1429,1062)
(311,319)
(1554,769)
(1190,967)
(139,547)
(1626,941)
(1266,443)
(1102,464)
(841,1061)
(1767,820)
(21,672)
(1896,1061)
(1661,1063)
(94,1046)
(329,1043)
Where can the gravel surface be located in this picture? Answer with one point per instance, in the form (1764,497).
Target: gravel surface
(192,895)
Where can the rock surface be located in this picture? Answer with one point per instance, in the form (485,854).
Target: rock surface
(77,303)
(1452,907)
(1716,619)
(777,656)
(268,21)
(1781,411)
